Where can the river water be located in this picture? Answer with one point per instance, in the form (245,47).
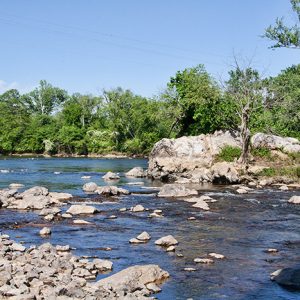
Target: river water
(239,226)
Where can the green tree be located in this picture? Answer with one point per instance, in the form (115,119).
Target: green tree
(283,35)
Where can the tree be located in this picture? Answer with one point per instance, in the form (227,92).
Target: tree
(283,35)
(45,99)
(244,87)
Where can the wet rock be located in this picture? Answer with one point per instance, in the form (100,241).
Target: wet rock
(288,277)
(158,211)
(112,191)
(16,185)
(110,176)
(284,188)
(294,200)
(112,217)
(48,211)
(49,217)
(144,236)
(60,196)
(170,249)
(271,250)
(216,255)
(66,216)
(64,248)
(189,269)
(166,241)
(122,209)
(242,191)
(90,187)
(136,172)
(138,208)
(81,222)
(191,218)
(203,260)
(201,204)
(102,264)
(136,241)
(155,215)
(77,209)
(176,190)
(45,231)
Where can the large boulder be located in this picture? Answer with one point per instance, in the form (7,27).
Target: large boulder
(288,277)
(81,209)
(90,187)
(224,172)
(274,142)
(176,156)
(111,176)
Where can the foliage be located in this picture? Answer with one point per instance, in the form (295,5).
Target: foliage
(229,154)
(281,171)
(262,153)
(283,35)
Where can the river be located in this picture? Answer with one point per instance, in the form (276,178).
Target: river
(241,227)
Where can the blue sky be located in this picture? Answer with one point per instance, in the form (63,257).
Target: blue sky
(87,45)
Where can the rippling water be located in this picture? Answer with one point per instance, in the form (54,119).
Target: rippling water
(239,226)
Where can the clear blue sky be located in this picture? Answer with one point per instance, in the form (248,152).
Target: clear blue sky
(88,45)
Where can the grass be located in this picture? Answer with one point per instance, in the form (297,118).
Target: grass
(283,171)
(264,153)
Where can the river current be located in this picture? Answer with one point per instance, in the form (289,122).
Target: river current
(241,227)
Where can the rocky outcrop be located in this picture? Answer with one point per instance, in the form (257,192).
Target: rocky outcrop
(49,272)
(176,156)
(35,198)
(274,142)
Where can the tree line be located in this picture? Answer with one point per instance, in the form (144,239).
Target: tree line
(49,120)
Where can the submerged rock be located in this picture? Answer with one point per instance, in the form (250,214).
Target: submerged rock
(176,190)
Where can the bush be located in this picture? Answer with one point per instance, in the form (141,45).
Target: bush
(262,153)
(229,154)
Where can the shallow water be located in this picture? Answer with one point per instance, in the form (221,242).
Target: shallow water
(239,226)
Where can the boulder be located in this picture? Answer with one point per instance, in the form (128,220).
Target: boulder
(176,156)
(176,190)
(133,278)
(90,187)
(52,211)
(45,231)
(144,236)
(60,196)
(294,200)
(224,172)
(136,172)
(138,208)
(111,191)
(81,209)
(166,241)
(111,176)
(274,142)
(288,277)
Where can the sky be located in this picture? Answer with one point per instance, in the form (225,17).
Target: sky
(89,45)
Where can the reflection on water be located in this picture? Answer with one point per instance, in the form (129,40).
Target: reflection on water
(239,226)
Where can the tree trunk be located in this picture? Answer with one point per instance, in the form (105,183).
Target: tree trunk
(245,135)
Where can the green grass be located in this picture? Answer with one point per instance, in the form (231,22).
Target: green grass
(229,154)
(285,171)
(262,153)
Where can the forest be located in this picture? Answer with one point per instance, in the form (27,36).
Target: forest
(49,120)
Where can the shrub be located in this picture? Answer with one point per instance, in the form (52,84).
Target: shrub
(229,154)
(262,153)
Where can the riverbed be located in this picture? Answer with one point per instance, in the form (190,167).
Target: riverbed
(241,227)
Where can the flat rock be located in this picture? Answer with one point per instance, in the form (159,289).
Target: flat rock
(81,222)
(166,241)
(136,172)
(77,209)
(294,200)
(112,191)
(176,190)
(60,196)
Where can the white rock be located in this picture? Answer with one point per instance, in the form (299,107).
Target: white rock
(294,199)
(49,217)
(176,190)
(63,248)
(16,185)
(60,196)
(283,188)
(81,209)
(216,255)
(90,187)
(136,241)
(201,204)
(203,260)
(189,269)
(122,209)
(144,236)
(67,216)
(85,177)
(136,172)
(155,215)
(170,249)
(111,176)
(166,241)
(138,208)
(81,222)
(241,191)
(153,287)
(45,231)
(18,247)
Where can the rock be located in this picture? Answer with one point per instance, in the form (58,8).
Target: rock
(49,217)
(201,204)
(60,196)
(138,208)
(294,200)
(66,216)
(155,215)
(185,154)
(52,211)
(203,260)
(90,187)
(136,172)
(112,217)
(16,185)
(112,191)
(17,247)
(288,277)
(136,241)
(45,231)
(216,255)
(111,176)
(103,264)
(144,236)
(122,209)
(158,211)
(60,248)
(81,222)
(170,249)
(224,172)
(274,142)
(283,188)
(85,177)
(36,191)
(133,278)
(77,209)
(153,287)
(271,250)
(191,218)
(265,182)
(176,190)
(136,183)
(166,241)
(189,269)
(242,191)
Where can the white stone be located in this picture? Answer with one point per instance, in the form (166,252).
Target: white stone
(45,231)
(166,241)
